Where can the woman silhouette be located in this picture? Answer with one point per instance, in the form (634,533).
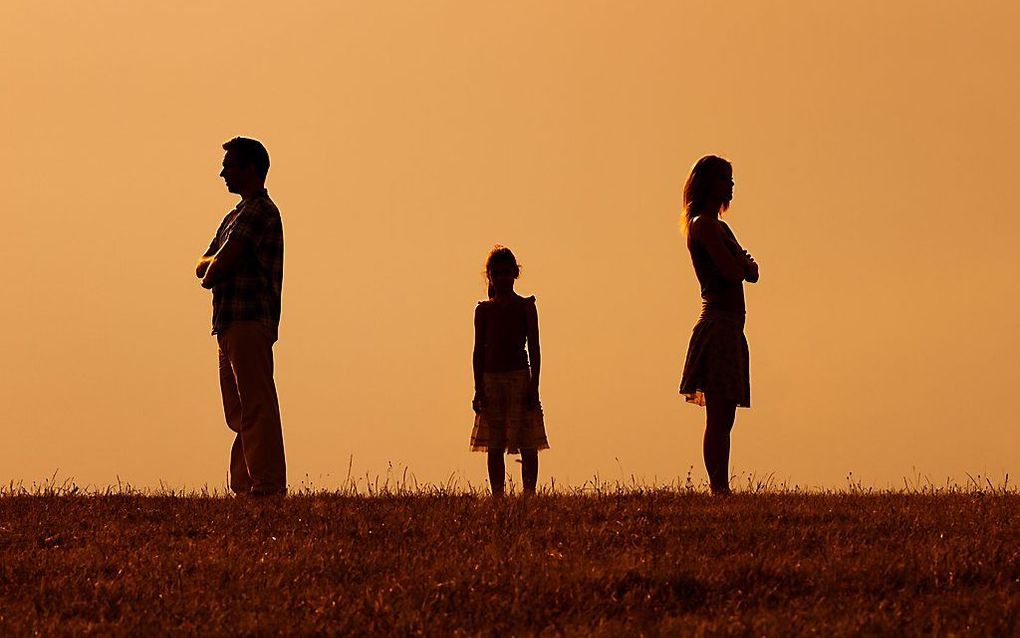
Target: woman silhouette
(716,372)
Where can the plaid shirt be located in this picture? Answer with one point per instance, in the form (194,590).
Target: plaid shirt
(252,292)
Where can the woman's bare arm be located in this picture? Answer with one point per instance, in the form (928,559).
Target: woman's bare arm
(750,269)
(710,233)
(750,265)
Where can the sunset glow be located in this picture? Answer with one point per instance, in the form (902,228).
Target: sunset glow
(873,150)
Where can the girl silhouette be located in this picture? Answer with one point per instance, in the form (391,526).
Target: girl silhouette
(508,415)
(716,372)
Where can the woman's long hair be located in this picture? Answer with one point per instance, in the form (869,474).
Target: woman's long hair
(499,256)
(698,187)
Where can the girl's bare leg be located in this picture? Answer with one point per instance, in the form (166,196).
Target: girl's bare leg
(497,472)
(529,470)
(719,422)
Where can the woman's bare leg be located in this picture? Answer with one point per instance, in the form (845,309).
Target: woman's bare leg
(719,422)
(529,470)
(497,472)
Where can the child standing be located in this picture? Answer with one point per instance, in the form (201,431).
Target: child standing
(508,414)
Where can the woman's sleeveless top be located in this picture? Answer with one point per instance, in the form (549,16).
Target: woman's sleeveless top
(718,296)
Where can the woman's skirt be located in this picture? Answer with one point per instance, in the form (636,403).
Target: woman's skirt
(505,421)
(718,363)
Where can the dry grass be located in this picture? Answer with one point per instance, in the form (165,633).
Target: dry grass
(605,560)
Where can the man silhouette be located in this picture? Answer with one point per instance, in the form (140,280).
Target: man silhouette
(244,269)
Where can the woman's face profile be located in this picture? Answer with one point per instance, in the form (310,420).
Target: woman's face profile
(722,187)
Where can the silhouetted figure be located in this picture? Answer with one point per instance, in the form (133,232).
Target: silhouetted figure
(244,268)
(716,373)
(508,414)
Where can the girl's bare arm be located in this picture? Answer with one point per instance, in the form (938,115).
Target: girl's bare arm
(478,355)
(534,349)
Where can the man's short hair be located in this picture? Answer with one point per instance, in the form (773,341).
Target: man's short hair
(250,151)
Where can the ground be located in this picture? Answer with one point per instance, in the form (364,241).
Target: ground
(602,562)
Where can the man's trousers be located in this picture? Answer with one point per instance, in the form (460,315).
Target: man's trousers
(257,464)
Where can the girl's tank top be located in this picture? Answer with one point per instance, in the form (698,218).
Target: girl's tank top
(506,332)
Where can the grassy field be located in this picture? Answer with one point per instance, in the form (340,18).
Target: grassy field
(605,562)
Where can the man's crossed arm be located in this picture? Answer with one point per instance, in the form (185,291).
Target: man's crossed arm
(213,268)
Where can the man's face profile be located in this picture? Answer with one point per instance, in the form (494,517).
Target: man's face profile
(235,173)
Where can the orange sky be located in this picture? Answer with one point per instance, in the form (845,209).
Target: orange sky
(873,147)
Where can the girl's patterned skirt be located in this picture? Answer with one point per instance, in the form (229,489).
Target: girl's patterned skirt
(506,422)
(718,363)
